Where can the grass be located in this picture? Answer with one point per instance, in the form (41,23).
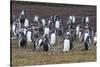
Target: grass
(22,56)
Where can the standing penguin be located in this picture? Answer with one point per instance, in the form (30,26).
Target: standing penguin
(16,27)
(22,40)
(46,30)
(81,34)
(57,26)
(29,35)
(46,43)
(67,43)
(22,18)
(26,24)
(43,22)
(77,30)
(95,39)
(35,36)
(52,38)
(86,40)
(87,19)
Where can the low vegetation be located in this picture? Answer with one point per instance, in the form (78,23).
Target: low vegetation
(28,56)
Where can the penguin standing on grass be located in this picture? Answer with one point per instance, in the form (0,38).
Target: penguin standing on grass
(87,40)
(68,45)
(53,38)
(22,40)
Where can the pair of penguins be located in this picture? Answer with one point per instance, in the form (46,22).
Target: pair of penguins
(68,42)
(38,42)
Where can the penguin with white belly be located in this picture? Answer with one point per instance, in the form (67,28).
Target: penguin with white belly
(67,43)
(53,38)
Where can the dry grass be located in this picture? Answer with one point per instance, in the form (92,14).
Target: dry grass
(54,56)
